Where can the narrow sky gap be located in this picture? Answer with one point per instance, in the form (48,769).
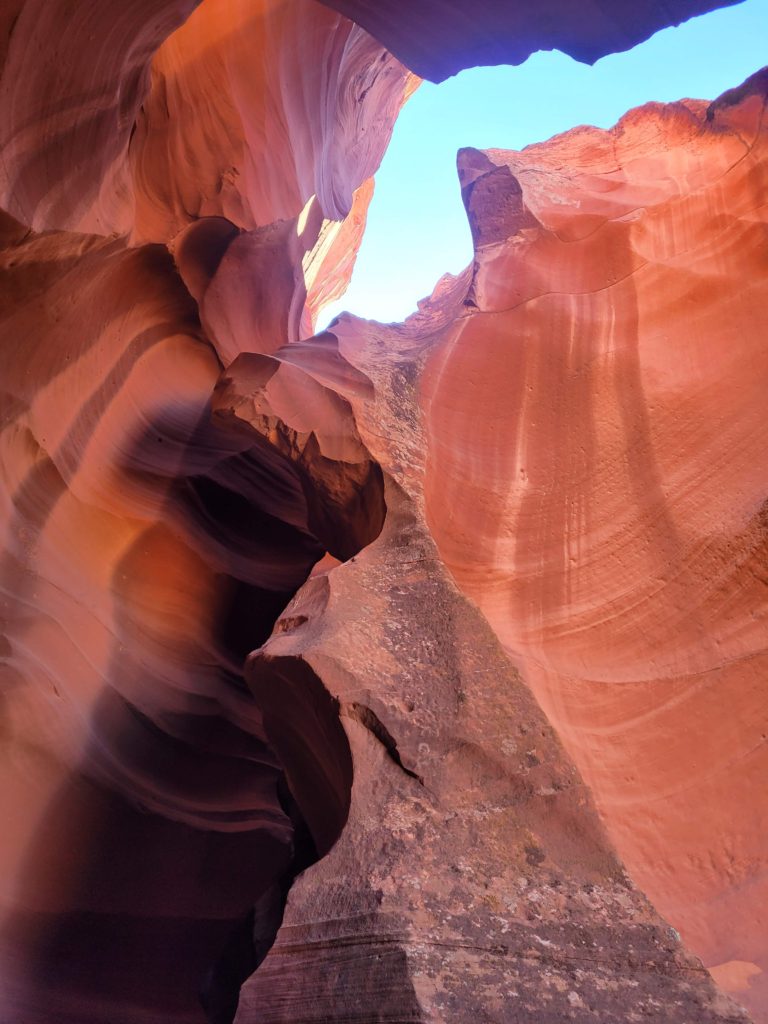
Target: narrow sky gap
(417,229)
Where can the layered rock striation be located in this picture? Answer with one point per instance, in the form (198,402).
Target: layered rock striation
(308,668)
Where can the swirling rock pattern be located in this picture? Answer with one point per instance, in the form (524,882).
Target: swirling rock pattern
(146,549)
(148,545)
(224,751)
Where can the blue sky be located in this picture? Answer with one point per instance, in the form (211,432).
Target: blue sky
(417,228)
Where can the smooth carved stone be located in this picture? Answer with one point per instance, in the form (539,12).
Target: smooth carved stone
(73,78)
(142,554)
(256,106)
(231,116)
(148,548)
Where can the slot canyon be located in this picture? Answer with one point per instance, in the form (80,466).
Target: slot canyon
(408,673)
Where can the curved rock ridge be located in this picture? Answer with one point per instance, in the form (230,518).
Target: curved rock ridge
(225,131)
(262,289)
(296,399)
(271,115)
(149,546)
(163,127)
(607,511)
(438,38)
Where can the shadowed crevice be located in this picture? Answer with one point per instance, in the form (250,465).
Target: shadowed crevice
(370,720)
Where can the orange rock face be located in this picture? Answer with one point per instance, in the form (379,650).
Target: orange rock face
(249,721)
(607,512)
(147,547)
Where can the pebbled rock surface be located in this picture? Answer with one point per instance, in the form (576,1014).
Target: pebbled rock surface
(607,511)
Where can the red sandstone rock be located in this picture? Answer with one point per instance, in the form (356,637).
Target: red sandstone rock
(148,549)
(73,79)
(244,120)
(179,456)
(607,512)
(473,874)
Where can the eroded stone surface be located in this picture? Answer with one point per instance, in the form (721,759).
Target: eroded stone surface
(186,184)
(606,511)
(473,876)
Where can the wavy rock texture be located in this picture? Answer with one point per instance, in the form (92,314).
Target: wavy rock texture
(73,79)
(204,713)
(148,548)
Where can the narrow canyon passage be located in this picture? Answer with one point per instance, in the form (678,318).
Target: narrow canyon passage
(373,670)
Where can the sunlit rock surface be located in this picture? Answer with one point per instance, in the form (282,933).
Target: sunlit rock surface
(236,664)
(607,510)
